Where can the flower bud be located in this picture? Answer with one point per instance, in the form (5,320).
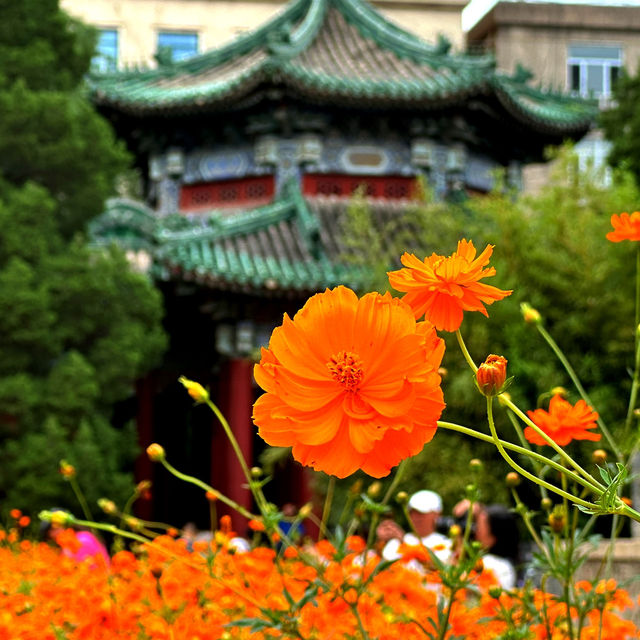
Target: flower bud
(374,489)
(560,391)
(155,452)
(491,375)
(599,456)
(108,506)
(256,472)
(557,519)
(305,510)
(495,592)
(133,523)
(475,464)
(512,479)
(67,470)
(402,497)
(546,504)
(194,389)
(211,496)
(256,525)
(455,531)
(442,372)
(530,315)
(143,485)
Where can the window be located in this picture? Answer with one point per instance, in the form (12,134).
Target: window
(181,44)
(593,69)
(106,58)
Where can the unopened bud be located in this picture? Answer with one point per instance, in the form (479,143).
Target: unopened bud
(599,456)
(512,479)
(557,519)
(211,496)
(305,510)
(256,472)
(491,375)
(546,504)
(67,470)
(356,487)
(402,497)
(560,391)
(194,389)
(108,506)
(495,592)
(475,464)
(143,486)
(442,372)
(455,531)
(155,452)
(374,489)
(133,523)
(530,315)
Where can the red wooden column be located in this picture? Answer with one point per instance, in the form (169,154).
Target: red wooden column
(236,402)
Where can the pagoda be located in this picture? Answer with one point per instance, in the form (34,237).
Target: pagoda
(249,155)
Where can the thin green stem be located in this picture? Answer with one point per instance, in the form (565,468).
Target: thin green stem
(559,450)
(576,381)
(465,352)
(521,450)
(523,472)
(257,493)
(327,507)
(204,486)
(356,613)
(526,518)
(81,499)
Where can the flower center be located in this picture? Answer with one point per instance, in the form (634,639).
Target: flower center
(346,368)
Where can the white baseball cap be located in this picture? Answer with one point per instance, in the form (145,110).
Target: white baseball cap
(425,501)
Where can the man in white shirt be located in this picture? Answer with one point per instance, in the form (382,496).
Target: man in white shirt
(425,507)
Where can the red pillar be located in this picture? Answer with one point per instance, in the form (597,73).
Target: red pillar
(236,402)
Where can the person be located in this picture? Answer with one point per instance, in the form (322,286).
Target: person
(425,508)
(495,528)
(80,546)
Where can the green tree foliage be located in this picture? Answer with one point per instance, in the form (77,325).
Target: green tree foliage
(78,326)
(621,124)
(551,250)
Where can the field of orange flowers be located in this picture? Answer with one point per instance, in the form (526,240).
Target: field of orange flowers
(166,592)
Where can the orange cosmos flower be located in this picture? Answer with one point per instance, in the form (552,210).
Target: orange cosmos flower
(625,227)
(563,422)
(442,288)
(351,383)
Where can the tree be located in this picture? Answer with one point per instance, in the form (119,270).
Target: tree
(78,326)
(621,124)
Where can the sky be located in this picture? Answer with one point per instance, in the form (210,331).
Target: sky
(474,11)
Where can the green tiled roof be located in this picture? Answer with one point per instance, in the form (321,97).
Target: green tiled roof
(342,52)
(290,244)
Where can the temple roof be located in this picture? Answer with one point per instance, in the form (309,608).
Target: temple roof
(292,244)
(341,52)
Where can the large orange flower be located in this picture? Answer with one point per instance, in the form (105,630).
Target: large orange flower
(625,227)
(351,383)
(442,287)
(563,422)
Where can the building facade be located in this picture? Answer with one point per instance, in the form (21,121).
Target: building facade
(578,47)
(131,32)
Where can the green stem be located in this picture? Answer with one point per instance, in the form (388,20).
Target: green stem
(559,450)
(203,485)
(465,352)
(81,499)
(521,450)
(523,472)
(526,517)
(327,507)
(356,613)
(257,494)
(576,381)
